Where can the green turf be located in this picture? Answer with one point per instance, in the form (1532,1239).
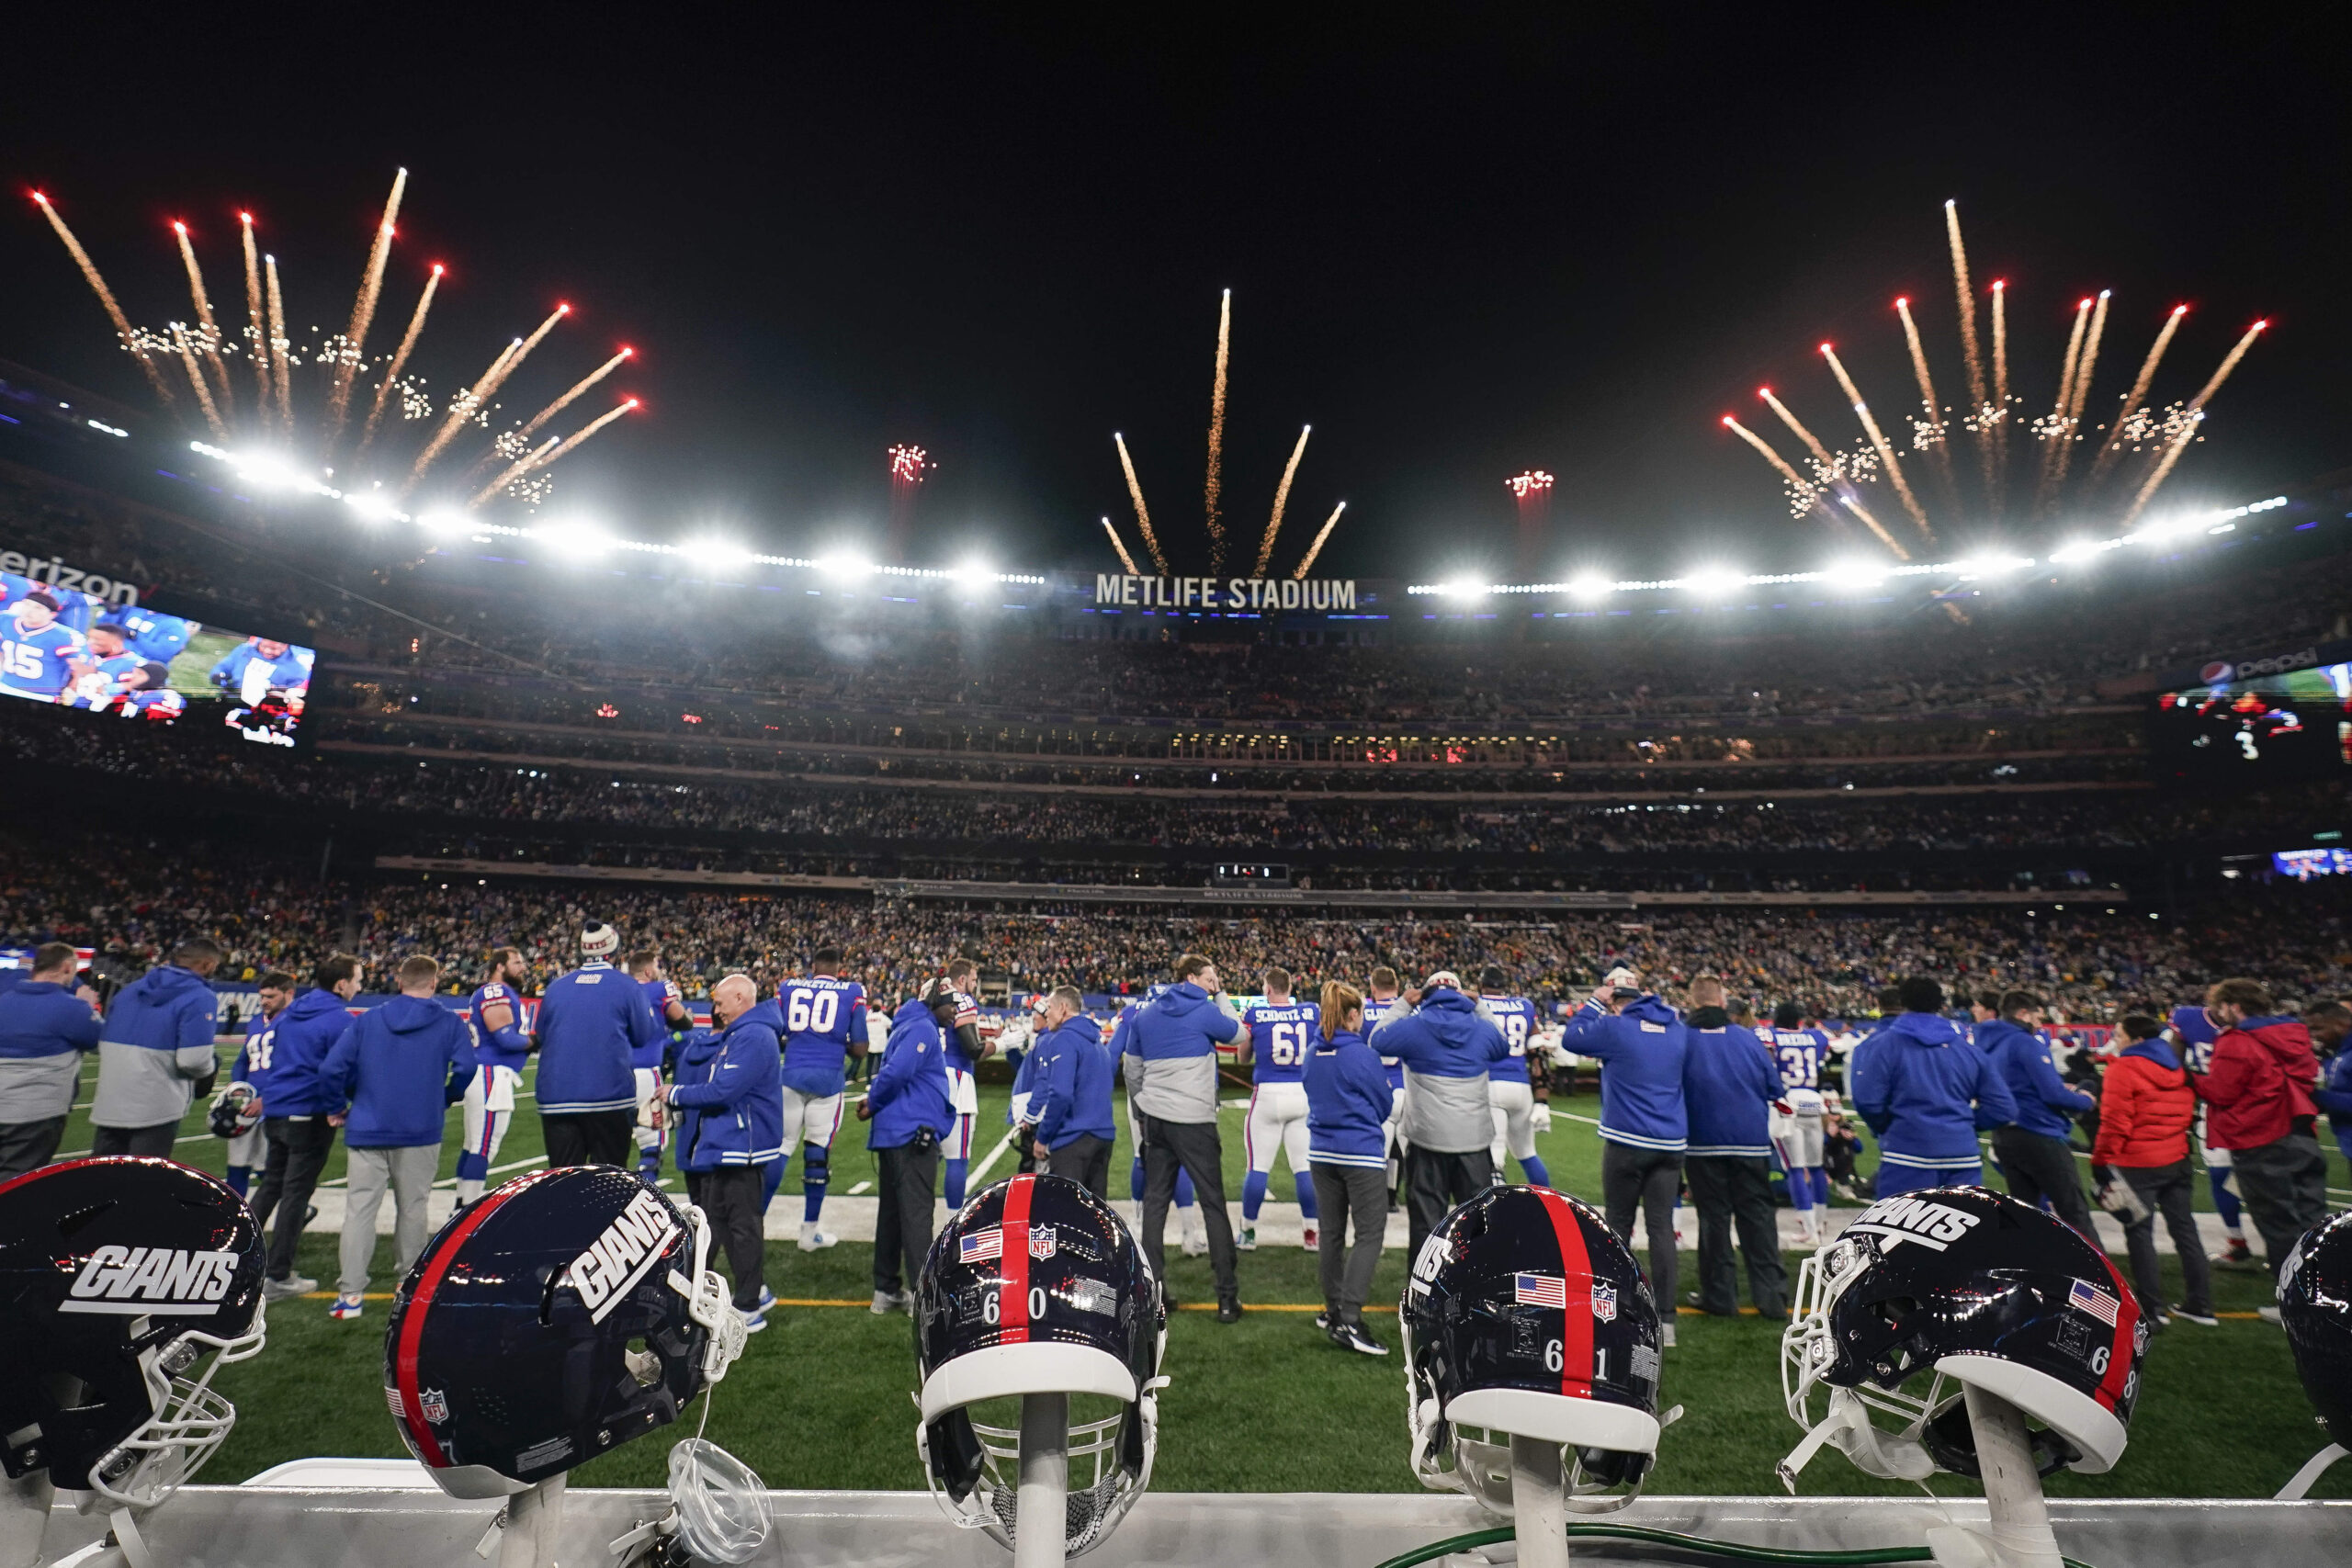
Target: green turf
(822,1400)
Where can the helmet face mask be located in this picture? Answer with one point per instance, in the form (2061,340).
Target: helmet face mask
(1037,1287)
(1526,1318)
(139,1278)
(1969,1287)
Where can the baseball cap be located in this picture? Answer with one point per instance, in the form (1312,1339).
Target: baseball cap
(597,939)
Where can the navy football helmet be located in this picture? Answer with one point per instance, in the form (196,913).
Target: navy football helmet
(552,1320)
(1526,1316)
(2315,1305)
(1969,1286)
(117,1276)
(236,1111)
(1037,1287)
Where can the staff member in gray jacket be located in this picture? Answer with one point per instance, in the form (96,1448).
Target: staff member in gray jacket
(45,1022)
(153,1052)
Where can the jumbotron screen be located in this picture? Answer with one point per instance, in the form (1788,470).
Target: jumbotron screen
(2249,728)
(74,649)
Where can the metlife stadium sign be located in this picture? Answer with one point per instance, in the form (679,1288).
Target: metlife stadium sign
(1314,594)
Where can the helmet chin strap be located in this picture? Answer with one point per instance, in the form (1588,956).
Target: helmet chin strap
(1847,1427)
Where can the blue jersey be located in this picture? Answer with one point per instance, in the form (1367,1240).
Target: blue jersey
(2197,1032)
(1374,1011)
(1800,1053)
(824,1018)
(1515,1016)
(164,704)
(659,994)
(37,663)
(509,1049)
(253,1059)
(1280,1039)
(103,683)
(150,635)
(968,1015)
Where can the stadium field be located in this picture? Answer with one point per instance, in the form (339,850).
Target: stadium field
(822,1399)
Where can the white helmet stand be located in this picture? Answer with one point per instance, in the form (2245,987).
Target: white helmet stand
(1041,1504)
(24,1514)
(2019,1534)
(1539,1503)
(526,1528)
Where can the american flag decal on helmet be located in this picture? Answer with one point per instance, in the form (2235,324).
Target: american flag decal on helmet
(2093,1301)
(981,1245)
(1540,1290)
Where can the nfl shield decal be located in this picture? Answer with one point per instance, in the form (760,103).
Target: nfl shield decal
(435,1404)
(1042,1242)
(1604,1302)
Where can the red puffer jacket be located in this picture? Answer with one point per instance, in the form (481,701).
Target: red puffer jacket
(2260,1081)
(2144,1108)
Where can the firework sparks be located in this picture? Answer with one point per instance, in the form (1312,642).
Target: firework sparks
(537,421)
(533,459)
(207,337)
(132,342)
(1143,516)
(908,464)
(1119,544)
(471,403)
(1316,548)
(363,308)
(400,355)
(2055,430)
(2082,373)
(2196,412)
(2131,400)
(196,379)
(1972,353)
(1213,491)
(1282,500)
(1879,444)
(1805,495)
(563,449)
(280,367)
(1928,431)
(256,327)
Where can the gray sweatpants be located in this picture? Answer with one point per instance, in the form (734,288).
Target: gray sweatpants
(409,1173)
(1344,1193)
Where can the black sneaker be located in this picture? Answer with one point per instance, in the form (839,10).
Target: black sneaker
(1352,1337)
(1228,1308)
(1323,1321)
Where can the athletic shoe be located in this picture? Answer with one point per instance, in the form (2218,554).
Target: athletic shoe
(754,1322)
(1352,1337)
(885,1303)
(1228,1309)
(286,1289)
(2235,1256)
(649,1172)
(1196,1242)
(1310,1238)
(766,1302)
(814,1240)
(310,1214)
(2269,1314)
(1247,1241)
(1323,1321)
(1666,1335)
(345,1307)
(2201,1319)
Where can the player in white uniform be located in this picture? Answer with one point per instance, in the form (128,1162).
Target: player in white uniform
(501,1048)
(1282,1031)
(964,1050)
(1512,1084)
(1798,1053)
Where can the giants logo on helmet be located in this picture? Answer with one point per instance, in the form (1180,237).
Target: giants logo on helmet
(1914,1220)
(630,1246)
(136,1281)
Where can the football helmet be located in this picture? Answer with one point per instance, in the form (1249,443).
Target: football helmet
(2315,1305)
(118,1277)
(553,1319)
(1526,1316)
(1037,1287)
(1969,1286)
(236,1111)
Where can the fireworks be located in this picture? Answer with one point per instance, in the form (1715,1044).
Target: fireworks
(1213,491)
(2135,431)
(1143,514)
(1535,482)
(1119,544)
(1281,499)
(1316,548)
(908,464)
(306,424)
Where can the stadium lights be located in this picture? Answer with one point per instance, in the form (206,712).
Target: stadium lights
(1714,581)
(575,540)
(369,506)
(1856,574)
(714,555)
(1465,588)
(1589,587)
(847,565)
(445,522)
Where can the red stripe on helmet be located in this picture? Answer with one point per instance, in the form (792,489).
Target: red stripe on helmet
(413,1324)
(1575,1321)
(2120,1353)
(1012,1263)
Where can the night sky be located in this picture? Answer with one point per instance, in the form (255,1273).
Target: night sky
(1460,247)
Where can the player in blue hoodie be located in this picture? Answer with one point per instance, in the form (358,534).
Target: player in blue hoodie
(912,1112)
(1070,1094)
(729,1099)
(1641,1045)
(155,1047)
(1926,1093)
(1448,1050)
(295,1111)
(400,1067)
(1188,1215)
(1170,1064)
(2036,1156)
(1729,1087)
(592,1023)
(47,1023)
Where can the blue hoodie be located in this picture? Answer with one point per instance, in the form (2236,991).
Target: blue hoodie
(401,1065)
(1926,1093)
(729,1092)
(1448,1050)
(2334,1097)
(1729,1081)
(305,1031)
(44,1029)
(1641,1050)
(1171,1054)
(2045,1103)
(910,1092)
(157,1040)
(1348,1101)
(592,1023)
(1069,1095)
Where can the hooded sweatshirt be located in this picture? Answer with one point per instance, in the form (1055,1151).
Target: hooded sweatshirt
(1926,1093)
(909,1093)
(1729,1082)
(1069,1095)
(2045,1105)
(2335,1098)
(2260,1081)
(1641,1051)
(729,1092)
(401,1066)
(1448,1050)
(305,1031)
(44,1029)
(2144,1108)
(156,1043)
(1348,1102)
(1171,1053)
(592,1024)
